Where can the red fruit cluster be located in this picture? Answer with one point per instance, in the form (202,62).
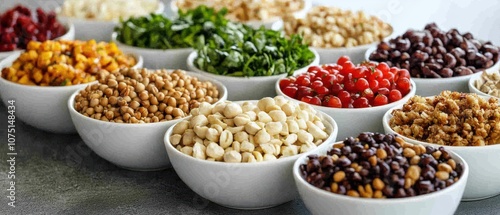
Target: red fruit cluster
(17,27)
(345,85)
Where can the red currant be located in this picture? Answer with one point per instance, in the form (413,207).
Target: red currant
(334,102)
(394,95)
(379,100)
(290,91)
(361,84)
(343,59)
(360,102)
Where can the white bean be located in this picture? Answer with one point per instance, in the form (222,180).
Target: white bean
(199,151)
(175,139)
(199,120)
(215,151)
(200,131)
(225,139)
(264,117)
(246,146)
(180,127)
(262,137)
(188,150)
(273,128)
(277,115)
(304,137)
(232,157)
(212,135)
(252,128)
(231,110)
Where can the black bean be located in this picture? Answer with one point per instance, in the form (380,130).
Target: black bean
(343,162)
(385,170)
(346,150)
(450,60)
(400,193)
(446,72)
(327,162)
(394,165)
(425,187)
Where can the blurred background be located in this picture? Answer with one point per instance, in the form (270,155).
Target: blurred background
(479,17)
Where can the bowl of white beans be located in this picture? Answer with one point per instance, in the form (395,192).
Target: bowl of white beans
(240,154)
(95,19)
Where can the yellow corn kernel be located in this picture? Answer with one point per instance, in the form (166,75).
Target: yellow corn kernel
(44,84)
(46,46)
(56,47)
(14,79)
(16,65)
(33,55)
(33,45)
(105,60)
(81,58)
(24,57)
(11,73)
(44,58)
(112,66)
(24,79)
(80,66)
(46,78)
(37,75)
(28,67)
(21,73)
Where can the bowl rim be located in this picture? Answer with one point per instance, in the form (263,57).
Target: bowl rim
(325,118)
(142,49)
(71,107)
(11,58)
(160,8)
(307,6)
(495,66)
(475,77)
(68,26)
(299,179)
(352,110)
(192,56)
(388,115)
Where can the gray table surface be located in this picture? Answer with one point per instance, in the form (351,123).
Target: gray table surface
(59,174)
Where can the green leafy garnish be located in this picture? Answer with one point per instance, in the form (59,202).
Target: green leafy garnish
(258,52)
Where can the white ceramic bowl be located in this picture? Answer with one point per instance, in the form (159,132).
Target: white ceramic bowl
(247,88)
(99,30)
(43,107)
(131,146)
(69,35)
(352,121)
(240,185)
(158,58)
(472,87)
(320,201)
(483,161)
(269,24)
(434,86)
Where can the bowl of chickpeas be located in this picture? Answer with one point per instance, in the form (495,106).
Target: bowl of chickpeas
(254,14)
(334,32)
(41,79)
(247,147)
(463,123)
(124,116)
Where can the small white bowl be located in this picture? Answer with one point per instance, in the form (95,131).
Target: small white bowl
(43,107)
(434,86)
(131,146)
(158,58)
(99,30)
(483,160)
(269,24)
(353,121)
(472,87)
(241,185)
(320,201)
(69,35)
(248,88)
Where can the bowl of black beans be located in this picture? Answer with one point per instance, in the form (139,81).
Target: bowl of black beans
(382,174)
(437,60)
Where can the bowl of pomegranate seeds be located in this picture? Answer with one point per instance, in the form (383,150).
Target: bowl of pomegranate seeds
(19,25)
(356,96)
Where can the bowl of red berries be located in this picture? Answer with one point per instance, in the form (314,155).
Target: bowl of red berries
(356,96)
(19,25)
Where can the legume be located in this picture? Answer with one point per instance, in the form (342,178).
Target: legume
(354,168)
(242,11)
(270,129)
(64,63)
(450,118)
(434,53)
(332,27)
(142,96)
(489,83)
